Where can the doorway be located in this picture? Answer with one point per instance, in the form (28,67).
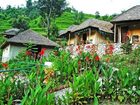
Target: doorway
(85,38)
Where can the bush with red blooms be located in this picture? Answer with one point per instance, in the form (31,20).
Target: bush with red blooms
(87,61)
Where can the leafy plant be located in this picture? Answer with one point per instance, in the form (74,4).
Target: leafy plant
(38,96)
(84,88)
(127,47)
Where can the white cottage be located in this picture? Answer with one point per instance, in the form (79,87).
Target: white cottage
(15,44)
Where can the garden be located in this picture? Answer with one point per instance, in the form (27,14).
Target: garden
(93,80)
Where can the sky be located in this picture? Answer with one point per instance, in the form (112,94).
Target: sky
(87,6)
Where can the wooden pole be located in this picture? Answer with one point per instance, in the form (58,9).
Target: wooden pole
(69,39)
(89,34)
(115,33)
(119,34)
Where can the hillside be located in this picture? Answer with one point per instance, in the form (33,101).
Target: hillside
(62,22)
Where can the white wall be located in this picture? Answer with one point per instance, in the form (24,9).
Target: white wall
(10,52)
(14,51)
(6,53)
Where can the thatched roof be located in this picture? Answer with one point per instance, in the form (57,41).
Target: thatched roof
(30,36)
(101,25)
(129,15)
(12,31)
(69,29)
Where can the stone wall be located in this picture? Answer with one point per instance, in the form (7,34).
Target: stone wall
(100,49)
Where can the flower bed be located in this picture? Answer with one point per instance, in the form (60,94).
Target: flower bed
(90,79)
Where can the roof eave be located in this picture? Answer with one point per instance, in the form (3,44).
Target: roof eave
(64,34)
(3,45)
(83,28)
(95,28)
(55,45)
(124,21)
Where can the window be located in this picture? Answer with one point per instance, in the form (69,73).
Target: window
(135,39)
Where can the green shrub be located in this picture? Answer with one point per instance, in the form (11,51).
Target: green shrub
(127,47)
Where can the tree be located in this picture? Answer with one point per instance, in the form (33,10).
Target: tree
(31,9)
(97,15)
(12,12)
(114,15)
(78,17)
(1,9)
(49,10)
(68,9)
(21,23)
(54,31)
(29,4)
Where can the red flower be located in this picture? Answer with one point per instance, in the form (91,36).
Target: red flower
(97,58)
(87,58)
(5,65)
(28,52)
(42,52)
(111,47)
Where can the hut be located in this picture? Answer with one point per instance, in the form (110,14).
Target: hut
(90,31)
(14,45)
(11,32)
(127,26)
